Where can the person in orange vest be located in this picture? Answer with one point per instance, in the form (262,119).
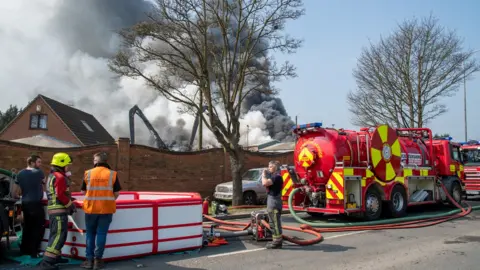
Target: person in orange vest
(60,206)
(101,189)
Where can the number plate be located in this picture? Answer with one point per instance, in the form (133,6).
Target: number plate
(470,192)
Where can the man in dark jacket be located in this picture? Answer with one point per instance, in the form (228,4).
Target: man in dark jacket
(60,206)
(29,183)
(273,181)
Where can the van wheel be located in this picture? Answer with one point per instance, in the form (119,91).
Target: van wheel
(249,198)
(397,206)
(373,205)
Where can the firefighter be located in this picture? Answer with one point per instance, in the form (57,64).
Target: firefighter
(101,189)
(272,180)
(60,206)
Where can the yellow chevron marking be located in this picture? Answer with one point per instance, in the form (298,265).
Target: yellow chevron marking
(287,187)
(339,178)
(338,191)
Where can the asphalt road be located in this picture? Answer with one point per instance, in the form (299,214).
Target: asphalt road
(448,246)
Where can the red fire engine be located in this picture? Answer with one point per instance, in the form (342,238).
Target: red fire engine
(471,159)
(372,170)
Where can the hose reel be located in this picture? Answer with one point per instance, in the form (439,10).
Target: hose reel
(386,153)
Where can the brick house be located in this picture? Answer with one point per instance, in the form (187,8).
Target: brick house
(47,122)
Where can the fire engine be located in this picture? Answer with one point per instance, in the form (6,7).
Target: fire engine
(371,171)
(471,158)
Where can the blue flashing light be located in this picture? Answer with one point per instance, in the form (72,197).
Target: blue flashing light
(309,125)
(471,142)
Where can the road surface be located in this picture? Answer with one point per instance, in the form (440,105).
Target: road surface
(448,246)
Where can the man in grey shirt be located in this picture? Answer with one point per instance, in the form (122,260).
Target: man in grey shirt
(30,184)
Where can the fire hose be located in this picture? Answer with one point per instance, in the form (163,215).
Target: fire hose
(394,223)
(316,228)
(245,231)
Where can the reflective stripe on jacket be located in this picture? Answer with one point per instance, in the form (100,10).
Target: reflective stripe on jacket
(99,197)
(58,182)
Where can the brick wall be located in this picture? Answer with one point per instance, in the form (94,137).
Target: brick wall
(143,168)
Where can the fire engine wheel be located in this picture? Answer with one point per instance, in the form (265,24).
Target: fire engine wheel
(249,198)
(386,153)
(456,192)
(397,206)
(373,205)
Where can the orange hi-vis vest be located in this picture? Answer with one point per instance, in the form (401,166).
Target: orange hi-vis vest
(99,197)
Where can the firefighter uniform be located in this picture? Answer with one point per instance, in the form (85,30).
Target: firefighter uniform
(274,209)
(60,205)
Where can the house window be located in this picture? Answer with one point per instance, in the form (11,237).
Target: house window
(38,121)
(87,126)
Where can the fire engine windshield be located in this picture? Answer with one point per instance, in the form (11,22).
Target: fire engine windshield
(471,156)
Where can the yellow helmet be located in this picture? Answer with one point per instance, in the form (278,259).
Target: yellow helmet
(61,160)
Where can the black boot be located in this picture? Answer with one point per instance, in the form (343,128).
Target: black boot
(47,264)
(61,260)
(274,245)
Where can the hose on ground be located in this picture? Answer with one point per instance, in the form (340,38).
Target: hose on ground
(394,223)
(315,228)
(318,237)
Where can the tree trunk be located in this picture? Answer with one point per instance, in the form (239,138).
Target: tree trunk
(236,166)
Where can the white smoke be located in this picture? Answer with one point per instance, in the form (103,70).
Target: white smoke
(60,49)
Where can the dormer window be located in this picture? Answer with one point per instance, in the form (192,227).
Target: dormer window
(38,121)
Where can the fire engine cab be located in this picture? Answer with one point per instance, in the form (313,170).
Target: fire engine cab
(471,158)
(371,171)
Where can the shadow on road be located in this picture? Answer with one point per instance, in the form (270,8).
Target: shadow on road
(320,247)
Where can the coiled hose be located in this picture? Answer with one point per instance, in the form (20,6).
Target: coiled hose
(245,226)
(316,228)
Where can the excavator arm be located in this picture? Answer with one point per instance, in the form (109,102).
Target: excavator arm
(195,127)
(136,110)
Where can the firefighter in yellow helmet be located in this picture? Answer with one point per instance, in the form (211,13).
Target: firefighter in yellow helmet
(60,206)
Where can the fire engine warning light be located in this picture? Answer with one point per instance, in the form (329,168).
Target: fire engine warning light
(471,142)
(309,125)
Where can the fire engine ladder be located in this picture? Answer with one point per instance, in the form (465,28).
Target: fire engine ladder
(367,147)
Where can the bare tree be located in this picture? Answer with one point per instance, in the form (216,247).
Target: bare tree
(403,77)
(222,47)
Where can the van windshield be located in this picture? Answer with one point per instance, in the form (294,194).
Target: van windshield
(471,156)
(251,175)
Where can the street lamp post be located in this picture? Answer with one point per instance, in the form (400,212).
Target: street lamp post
(465,97)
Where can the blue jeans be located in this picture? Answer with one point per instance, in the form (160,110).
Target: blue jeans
(97,229)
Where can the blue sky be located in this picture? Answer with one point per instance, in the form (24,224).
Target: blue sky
(335,31)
